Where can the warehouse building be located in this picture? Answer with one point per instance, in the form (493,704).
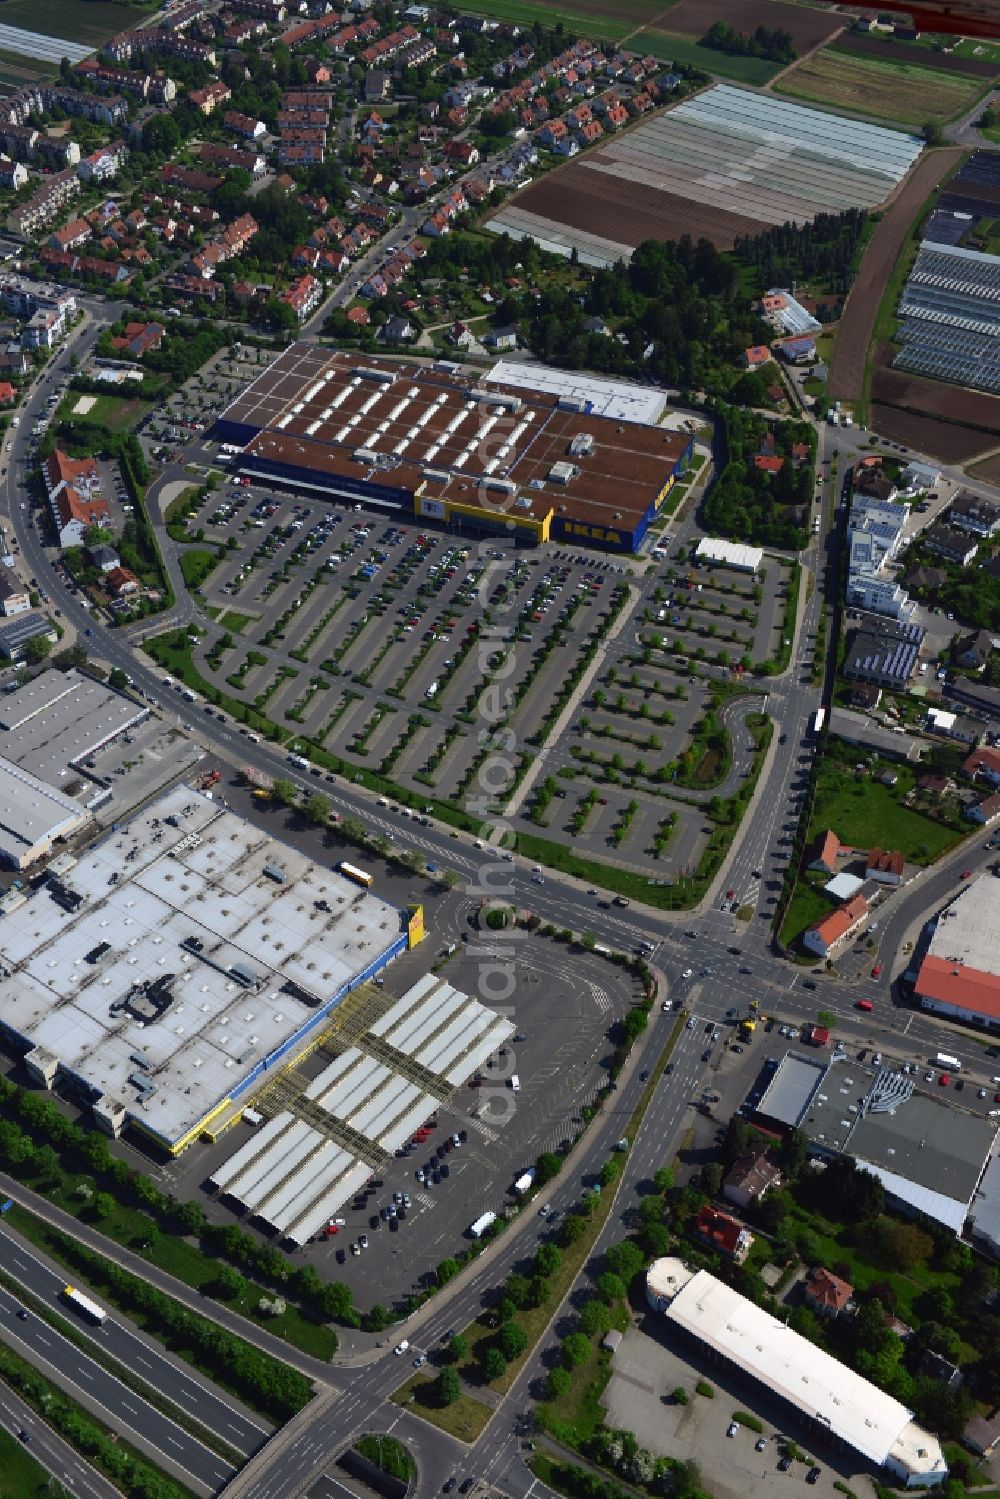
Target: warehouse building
(34,817)
(734,554)
(55,724)
(959,975)
(492,459)
(175,963)
(835,1404)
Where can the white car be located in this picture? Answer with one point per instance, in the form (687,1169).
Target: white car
(401,1348)
(688,973)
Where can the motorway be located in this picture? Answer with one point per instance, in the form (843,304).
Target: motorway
(359,1395)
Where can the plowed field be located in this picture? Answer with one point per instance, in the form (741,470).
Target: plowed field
(946,62)
(598,203)
(944,441)
(989,471)
(848,365)
(898,91)
(937,399)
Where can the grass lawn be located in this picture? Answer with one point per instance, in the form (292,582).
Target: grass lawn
(196,565)
(23,1478)
(867,814)
(898,91)
(465,1418)
(807,906)
(971,46)
(582,1406)
(117,413)
(670,48)
(236,622)
(92,23)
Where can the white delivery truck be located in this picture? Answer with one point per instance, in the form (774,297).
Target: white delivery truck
(525,1181)
(477,1229)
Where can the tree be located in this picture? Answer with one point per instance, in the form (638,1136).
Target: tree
(663,1179)
(97,536)
(558,1383)
(611,1287)
(547,1259)
(446,1271)
(118,679)
(518,1288)
(932,133)
(711,1178)
(899,1246)
(317,808)
(575,1349)
(284,791)
(458,1348)
(573,1226)
(595,1318)
(37,649)
(547,1166)
(494,1365)
(655,1240)
(448,1387)
(512,1340)
(625,1260)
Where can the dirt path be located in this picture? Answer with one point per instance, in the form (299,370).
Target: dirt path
(824,42)
(847,368)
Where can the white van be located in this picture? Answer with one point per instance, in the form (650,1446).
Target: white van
(515,1083)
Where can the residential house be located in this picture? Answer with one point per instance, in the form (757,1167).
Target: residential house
(104,558)
(501,338)
(73,485)
(304,295)
(864,695)
(749,1178)
(934,1366)
(975,513)
(768,464)
(13,174)
(138,339)
(824,852)
(8,393)
(830,934)
(973,650)
(71,235)
(755,356)
(211,97)
(103,164)
(14,596)
(44,205)
(800,350)
(396,330)
(982,1434)
(120,582)
(827,1294)
(985,764)
(461,335)
(885,866)
(244,126)
(952,544)
(883,652)
(928,578)
(986,811)
(723,1233)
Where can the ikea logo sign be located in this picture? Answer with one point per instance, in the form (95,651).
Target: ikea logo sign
(594,533)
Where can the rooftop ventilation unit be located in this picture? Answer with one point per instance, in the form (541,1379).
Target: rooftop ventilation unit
(563,473)
(582,445)
(384,377)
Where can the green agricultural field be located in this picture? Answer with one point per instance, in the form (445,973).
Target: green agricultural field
(902,92)
(670,48)
(88,21)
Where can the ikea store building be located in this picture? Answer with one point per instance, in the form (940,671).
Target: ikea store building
(539,456)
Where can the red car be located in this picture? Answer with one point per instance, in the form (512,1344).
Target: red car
(966,874)
(943,1080)
(876,970)
(730,894)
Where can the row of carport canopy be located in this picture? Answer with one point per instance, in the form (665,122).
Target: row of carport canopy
(294,1176)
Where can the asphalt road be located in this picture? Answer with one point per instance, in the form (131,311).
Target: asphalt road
(169,1376)
(82,1377)
(55,1455)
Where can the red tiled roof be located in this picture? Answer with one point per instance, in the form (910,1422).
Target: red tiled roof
(840,922)
(885,861)
(826,848)
(952,983)
(719,1229)
(829,1290)
(982,759)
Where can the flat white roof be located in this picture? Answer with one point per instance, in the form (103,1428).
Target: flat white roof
(443,1029)
(843,886)
(32,812)
(181,898)
(51,726)
(291,1176)
(731,553)
(616,399)
(818,1385)
(968,931)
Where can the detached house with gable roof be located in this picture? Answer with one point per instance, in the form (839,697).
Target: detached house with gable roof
(72,485)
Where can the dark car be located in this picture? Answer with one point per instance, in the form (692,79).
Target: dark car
(784,1463)
(466,1486)
(813,1475)
(448,1484)
(22,1314)
(808,983)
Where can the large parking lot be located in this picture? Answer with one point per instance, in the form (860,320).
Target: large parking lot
(560,1056)
(370,637)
